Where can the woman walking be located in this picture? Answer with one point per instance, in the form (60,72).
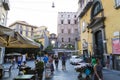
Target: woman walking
(56,61)
(98,75)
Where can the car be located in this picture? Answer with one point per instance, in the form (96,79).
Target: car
(74,60)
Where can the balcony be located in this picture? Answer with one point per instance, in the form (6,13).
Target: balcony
(6,4)
(82,10)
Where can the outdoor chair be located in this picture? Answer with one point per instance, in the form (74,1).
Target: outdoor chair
(8,70)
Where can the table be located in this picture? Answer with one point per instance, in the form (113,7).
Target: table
(24,77)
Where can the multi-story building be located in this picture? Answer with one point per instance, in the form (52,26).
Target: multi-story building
(24,28)
(42,35)
(67,29)
(4,8)
(100,31)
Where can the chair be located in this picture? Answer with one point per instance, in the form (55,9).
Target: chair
(8,70)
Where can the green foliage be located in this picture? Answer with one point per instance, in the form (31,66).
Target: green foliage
(40,65)
(49,48)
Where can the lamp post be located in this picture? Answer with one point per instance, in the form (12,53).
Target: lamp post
(53,43)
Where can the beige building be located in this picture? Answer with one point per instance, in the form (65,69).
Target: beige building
(67,29)
(24,28)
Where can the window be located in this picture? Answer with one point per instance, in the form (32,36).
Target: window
(74,16)
(69,31)
(68,16)
(61,15)
(69,39)
(97,8)
(81,3)
(75,21)
(21,30)
(26,31)
(62,30)
(117,3)
(68,21)
(62,21)
(83,26)
(76,30)
(62,39)
(2,19)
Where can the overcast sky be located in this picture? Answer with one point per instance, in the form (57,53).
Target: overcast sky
(40,12)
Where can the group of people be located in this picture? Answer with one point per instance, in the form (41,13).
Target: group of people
(50,60)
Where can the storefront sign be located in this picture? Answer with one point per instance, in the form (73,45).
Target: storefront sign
(116,46)
(117,33)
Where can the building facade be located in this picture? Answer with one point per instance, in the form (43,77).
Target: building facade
(24,28)
(4,8)
(67,29)
(42,35)
(99,24)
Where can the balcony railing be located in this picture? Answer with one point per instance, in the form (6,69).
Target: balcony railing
(6,4)
(84,8)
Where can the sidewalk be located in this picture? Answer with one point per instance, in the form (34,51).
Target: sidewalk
(111,74)
(111,70)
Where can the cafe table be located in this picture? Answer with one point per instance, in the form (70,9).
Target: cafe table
(25,77)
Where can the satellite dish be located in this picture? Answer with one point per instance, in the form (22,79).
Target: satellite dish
(53,5)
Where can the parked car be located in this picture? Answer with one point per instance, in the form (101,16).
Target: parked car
(75,60)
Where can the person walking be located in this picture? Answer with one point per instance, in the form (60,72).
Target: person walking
(45,59)
(63,62)
(19,61)
(13,62)
(108,62)
(56,60)
(51,63)
(98,75)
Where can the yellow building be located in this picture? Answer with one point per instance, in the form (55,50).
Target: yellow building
(99,27)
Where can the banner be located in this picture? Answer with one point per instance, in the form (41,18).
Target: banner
(116,46)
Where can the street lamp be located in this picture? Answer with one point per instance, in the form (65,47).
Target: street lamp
(53,43)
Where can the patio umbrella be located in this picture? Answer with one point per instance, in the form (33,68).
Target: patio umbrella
(6,35)
(23,42)
(13,54)
(11,39)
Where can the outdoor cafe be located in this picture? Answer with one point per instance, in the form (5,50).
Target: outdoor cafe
(12,39)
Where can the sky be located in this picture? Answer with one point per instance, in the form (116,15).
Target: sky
(40,12)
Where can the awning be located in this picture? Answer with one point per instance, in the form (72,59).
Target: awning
(11,39)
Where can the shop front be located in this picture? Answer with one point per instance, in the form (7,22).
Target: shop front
(116,53)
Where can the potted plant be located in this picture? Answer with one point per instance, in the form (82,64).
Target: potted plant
(40,69)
